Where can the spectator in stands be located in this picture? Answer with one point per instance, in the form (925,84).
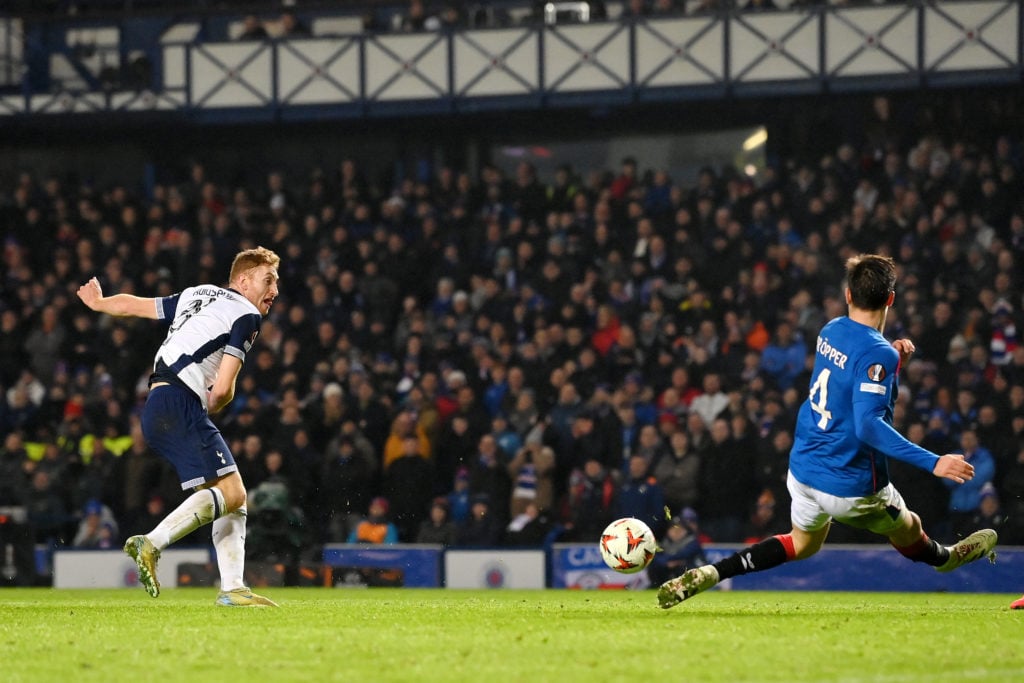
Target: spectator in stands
(482,529)
(532,473)
(452,15)
(409,482)
(405,425)
(677,472)
(764,520)
(641,496)
(636,9)
(508,440)
(292,26)
(98,529)
(415,17)
(783,358)
(989,515)
(771,466)
(651,446)
(591,501)
(489,474)
(47,512)
(438,528)
(1012,492)
(375,527)
(681,548)
(965,499)
(135,473)
(459,498)
(13,483)
(154,510)
(344,486)
(712,401)
(253,28)
(727,488)
(530,527)
(44,343)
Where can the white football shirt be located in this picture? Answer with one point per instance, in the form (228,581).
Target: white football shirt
(206,322)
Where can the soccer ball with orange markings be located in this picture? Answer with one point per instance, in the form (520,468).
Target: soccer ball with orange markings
(628,545)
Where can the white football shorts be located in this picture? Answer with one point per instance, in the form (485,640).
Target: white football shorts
(812,509)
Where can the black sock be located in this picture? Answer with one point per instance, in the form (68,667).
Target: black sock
(926,550)
(755,558)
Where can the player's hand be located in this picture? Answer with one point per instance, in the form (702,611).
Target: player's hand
(90,293)
(953,466)
(905,347)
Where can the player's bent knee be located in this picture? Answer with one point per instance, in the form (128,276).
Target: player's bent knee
(234,497)
(233,490)
(807,543)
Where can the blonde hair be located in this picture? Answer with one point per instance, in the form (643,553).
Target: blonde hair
(252,258)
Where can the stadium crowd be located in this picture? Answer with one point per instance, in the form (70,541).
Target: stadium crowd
(487,360)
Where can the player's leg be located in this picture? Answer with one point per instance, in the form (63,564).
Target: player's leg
(914,544)
(766,554)
(229,532)
(176,426)
(906,534)
(810,529)
(979,544)
(229,542)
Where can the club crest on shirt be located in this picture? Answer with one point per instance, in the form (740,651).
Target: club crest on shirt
(876,373)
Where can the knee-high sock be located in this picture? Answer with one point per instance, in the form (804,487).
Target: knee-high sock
(202,507)
(229,540)
(771,552)
(925,550)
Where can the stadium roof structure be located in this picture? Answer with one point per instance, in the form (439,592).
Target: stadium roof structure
(191,68)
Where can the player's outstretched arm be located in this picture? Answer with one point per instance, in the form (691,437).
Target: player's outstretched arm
(91,295)
(953,466)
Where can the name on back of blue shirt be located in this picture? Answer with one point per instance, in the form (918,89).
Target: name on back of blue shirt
(831,353)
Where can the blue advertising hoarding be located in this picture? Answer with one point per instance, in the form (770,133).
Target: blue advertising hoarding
(418,565)
(835,568)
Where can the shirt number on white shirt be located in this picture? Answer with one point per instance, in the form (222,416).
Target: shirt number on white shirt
(818,397)
(193,307)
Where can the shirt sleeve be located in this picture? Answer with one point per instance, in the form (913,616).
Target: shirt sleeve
(243,335)
(167,306)
(874,390)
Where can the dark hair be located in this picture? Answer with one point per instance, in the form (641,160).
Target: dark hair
(871,279)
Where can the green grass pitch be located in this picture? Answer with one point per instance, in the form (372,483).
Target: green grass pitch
(321,634)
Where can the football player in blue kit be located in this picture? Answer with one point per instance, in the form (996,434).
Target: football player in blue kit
(194,373)
(843,437)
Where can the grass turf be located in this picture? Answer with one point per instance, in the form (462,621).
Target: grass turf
(496,636)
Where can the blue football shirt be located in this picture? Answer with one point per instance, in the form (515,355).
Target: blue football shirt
(844,429)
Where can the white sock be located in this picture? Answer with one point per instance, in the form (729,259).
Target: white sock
(229,540)
(202,507)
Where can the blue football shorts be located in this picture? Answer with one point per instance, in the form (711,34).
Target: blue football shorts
(177,427)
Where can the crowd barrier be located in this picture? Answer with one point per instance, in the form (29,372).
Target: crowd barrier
(565,566)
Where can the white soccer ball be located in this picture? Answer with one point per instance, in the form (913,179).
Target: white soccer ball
(628,545)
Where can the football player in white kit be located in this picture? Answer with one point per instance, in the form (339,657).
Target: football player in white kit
(194,373)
